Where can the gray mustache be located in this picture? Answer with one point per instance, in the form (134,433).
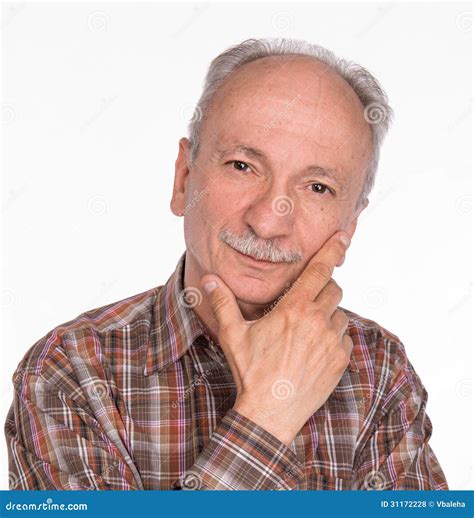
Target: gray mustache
(249,244)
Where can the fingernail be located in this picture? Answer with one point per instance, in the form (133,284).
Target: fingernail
(346,240)
(210,286)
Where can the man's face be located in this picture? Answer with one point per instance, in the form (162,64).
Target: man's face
(282,159)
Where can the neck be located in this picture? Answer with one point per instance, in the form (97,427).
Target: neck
(191,278)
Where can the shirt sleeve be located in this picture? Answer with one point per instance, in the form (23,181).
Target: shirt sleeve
(241,455)
(397,455)
(54,442)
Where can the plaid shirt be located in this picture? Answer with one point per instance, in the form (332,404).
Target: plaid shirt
(135,395)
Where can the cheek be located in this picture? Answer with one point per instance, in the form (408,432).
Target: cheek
(318,228)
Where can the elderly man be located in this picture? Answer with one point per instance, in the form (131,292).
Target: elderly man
(241,372)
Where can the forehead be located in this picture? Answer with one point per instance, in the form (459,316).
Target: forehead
(289,106)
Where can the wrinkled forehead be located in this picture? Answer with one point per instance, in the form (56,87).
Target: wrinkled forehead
(283,101)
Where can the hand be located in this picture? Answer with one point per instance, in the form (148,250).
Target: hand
(286,364)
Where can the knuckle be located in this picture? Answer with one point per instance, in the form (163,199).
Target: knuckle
(348,342)
(319,318)
(218,305)
(320,272)
(341,358)
(336,290)
(342,318)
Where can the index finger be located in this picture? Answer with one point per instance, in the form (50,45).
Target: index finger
(319,269)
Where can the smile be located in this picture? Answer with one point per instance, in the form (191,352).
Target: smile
(255,262)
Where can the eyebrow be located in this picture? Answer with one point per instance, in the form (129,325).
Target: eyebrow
(253,152)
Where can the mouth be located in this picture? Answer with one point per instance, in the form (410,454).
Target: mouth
(255,262)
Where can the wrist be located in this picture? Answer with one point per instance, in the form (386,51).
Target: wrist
(260,418)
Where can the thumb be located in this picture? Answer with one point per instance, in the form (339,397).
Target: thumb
(222,301)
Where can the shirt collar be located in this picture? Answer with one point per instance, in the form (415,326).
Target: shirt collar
(175,326)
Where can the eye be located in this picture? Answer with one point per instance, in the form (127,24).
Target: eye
(239,166)
(319,188)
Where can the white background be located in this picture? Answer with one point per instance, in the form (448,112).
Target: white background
(95,99)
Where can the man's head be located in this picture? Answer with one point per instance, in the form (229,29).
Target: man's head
(282,153)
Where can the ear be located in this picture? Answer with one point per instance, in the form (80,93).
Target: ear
(353,225)
(181,172)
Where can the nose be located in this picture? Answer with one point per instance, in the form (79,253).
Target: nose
(271,214)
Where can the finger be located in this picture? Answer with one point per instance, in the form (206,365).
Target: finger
(347,344)
(222,301)
(329,298)
(319,269)
(340,321)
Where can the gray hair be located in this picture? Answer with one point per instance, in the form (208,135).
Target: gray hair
(377,111)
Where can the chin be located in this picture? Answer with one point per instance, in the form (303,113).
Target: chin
(252,290)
